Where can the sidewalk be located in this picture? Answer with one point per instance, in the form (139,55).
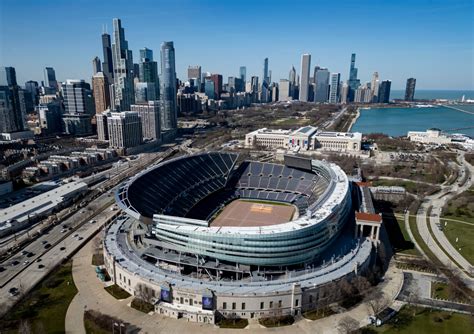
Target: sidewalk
(92,295)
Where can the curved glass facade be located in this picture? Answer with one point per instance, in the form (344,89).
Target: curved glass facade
(328,204)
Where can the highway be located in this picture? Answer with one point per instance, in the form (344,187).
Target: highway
(27,266)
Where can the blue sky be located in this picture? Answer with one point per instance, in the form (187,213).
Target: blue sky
(430,40)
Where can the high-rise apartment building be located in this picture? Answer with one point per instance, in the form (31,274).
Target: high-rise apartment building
(304,77)
(8,76)
(321,88)
(12,115)
(334,89)
(100,88)
(169,112)
(77,97)
(123,69)
(150,117)
(102,127)
(410,89)
(125,129)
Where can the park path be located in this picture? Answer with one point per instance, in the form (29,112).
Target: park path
(91,295)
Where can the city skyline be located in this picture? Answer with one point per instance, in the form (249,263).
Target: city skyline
(397,59)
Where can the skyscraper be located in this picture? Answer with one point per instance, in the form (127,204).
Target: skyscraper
(123,69)
(148,69)
(144,92)
(100,88)
(50,78)
(243,73)
(374,87)
(146,55)
(33,88)
(353,82)
(284,91)
(304,77)
(108,64)
(384,91)
(410,89)
(334,89)
(169,112)
(321,87)
(125,129)
(96,67)
(194,73)
(209,88)
(217,78)
(77,97)
(7,76)
(265,82)
(12,118)
(150,117)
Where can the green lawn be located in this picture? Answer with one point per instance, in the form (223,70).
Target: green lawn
(277,321)
(420,320)
(117,292)
(46,306)
(439,290)
(420,242)
(92,328)
(465,235)
(142,306)
(398,235)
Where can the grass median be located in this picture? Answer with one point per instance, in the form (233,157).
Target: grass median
(44,309)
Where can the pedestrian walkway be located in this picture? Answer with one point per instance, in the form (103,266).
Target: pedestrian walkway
(92,295)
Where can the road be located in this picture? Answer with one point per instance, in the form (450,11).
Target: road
(27,266)
(436,203)
(41,264)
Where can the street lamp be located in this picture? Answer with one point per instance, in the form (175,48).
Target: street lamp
(119,326)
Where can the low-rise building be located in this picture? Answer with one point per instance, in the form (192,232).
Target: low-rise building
(306,138)
(430,136)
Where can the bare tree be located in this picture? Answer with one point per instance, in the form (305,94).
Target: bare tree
(348,325)
(144,292)
(376,302)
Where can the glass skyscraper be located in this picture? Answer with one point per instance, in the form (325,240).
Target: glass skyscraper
(353,82)
(410,89)
(148,72)
(243,73)
(169,116)
(321,87)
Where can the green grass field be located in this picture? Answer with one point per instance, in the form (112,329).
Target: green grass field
(117,292)
(419,320)
(465,235)
(45,307)
(398,235)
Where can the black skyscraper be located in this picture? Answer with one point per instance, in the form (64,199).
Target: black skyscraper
(107,65)
(410,89)
(384,91)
